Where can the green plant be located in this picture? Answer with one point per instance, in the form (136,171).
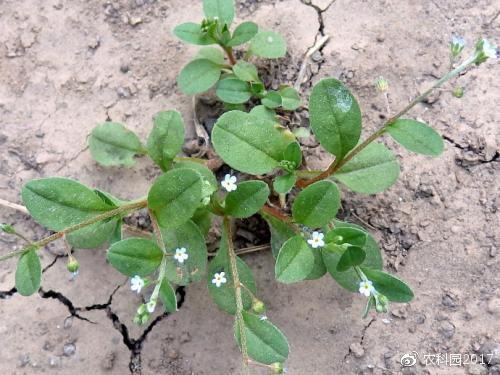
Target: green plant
(235,81)
(182,202)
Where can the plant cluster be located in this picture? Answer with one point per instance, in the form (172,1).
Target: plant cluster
(307,241)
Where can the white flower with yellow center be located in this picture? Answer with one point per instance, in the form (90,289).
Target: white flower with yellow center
(366,288)
(316,240)
(136,284)
(181,255)
(219,279)
(229,183)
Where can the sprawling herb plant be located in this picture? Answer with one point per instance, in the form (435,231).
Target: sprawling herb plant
(306,243)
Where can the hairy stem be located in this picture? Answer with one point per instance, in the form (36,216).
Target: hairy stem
(336,165)
(108,214)
(237,292)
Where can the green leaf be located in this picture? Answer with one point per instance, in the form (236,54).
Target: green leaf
(166,139)
(191,32)
(293,153)
(417,137)
(168,296)
(257,88)
(265,342)
(335,117)
(390,286)
(280,232)
(264,112)
(187,236)
(57,203)
(246,71)
(272,99)
(94,235)
(223,10)
(203,218)
(247,199)
(210,53)
(198,76)
(290,98)
(317,204)
(223,296)
(243,33)
(332,253)
(352,256)
(295,261)
(28,273)
(371,171)
(135,256)
(175,196)
(319,268)
(351,236)
(111,144)
(284,183)
(201,168)
(268,44)
(239,135)
(233,90)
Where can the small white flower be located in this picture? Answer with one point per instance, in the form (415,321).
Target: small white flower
(366,288)
(136,284)
(229,183)
(489,49)
(262,317)
(219,279)
(181,255)
(316,240)
(151,305)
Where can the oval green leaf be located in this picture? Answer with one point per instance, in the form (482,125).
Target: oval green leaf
(265,342)
(243,33)
(332,253)
(351,236)
(201,168)
(248,143)
(293,153)
(187,236)
(290,98)
(317,204)
(223,10)
(390,286)
(198,76)
(28,273)
(211,53)
(268,44)
(264,112)
(168,296)
(280,232)
(247,199)
(272,100)
(352,256)
(295,261)
(57,203)
(335,117)
(175,196)
(166,139)
(371,171)
(191,32)
(284,183)
(135,256)
(94,235)
(417,137)
(111,144)
(246,71)
(233,90)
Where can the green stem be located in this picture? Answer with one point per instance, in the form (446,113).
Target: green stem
(336,165)
(108,214)
(237,291)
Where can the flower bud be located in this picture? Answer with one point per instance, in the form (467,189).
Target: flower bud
(258,306)
(381,303)
(484,51)
(382,84)
(457,45)
(277,368)
(73,266)
(458,92)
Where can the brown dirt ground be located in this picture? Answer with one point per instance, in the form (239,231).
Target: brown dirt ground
(67,65)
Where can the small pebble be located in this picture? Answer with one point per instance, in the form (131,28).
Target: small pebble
(69,349)
(357,350)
